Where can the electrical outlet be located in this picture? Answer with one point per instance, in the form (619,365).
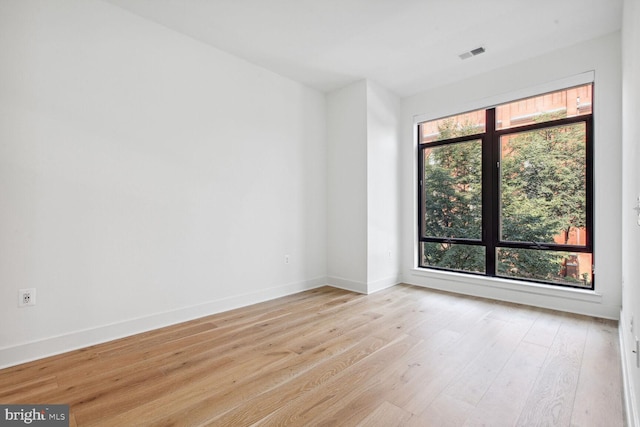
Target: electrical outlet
(26,297)
(286,259)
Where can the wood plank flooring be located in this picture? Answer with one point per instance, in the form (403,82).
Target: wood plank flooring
(404,356)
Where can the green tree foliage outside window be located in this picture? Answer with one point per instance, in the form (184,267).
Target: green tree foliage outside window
(543,195)
(453,199)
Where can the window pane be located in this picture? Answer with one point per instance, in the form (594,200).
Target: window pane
(564,268)
(470,123)
(543,186)
(571,102)
(452,195)
(453,256)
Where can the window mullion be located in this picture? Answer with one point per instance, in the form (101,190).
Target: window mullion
(490,160)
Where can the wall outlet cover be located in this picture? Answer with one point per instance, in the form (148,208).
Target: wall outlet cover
(26,297)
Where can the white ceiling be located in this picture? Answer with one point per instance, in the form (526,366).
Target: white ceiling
(406,46)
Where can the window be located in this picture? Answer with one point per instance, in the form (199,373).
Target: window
(507,191)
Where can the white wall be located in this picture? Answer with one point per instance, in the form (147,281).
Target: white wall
(630,193)
(145,178)
(601,55)
(383,188)
(363,187)
(347,187)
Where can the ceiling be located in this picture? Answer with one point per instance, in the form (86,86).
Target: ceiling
(407,46)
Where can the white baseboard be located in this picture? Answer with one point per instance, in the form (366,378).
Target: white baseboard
(385,283)
(26,352)
(347,285)
(362,287)
(629,398)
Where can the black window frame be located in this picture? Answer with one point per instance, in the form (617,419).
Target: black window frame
(491,157)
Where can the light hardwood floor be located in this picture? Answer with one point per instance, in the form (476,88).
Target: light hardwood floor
(403,356)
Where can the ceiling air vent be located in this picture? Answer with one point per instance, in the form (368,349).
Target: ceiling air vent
(473,52)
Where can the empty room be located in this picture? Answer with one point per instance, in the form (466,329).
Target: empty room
(294,212)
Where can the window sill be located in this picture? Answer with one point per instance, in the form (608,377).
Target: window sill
(585,295)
